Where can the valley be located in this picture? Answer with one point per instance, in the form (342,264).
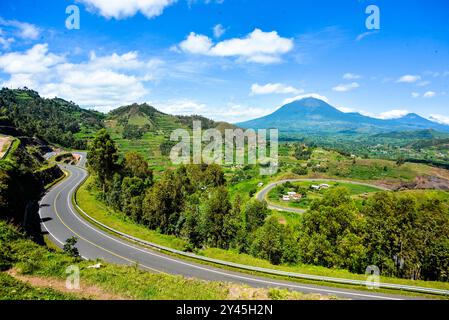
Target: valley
(335,182)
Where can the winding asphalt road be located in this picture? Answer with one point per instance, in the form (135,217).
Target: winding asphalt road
(61,221)
(261,196)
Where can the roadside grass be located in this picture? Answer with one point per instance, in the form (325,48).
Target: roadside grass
(93,207)
(29,259)
(13,289)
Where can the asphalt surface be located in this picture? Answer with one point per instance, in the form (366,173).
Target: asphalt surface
(261,196)
(61,221)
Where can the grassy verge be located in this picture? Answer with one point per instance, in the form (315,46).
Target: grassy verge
(13,289)
(30,260)
(89,203)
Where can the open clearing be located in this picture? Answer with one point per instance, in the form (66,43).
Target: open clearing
(308,194)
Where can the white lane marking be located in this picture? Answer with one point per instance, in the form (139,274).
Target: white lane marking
(59,186)
(215,271)
(76,174)
(40,214)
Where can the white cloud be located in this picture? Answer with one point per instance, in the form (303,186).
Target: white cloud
(308,95)
(35,60)
(22,30)
(429,94)
(415,95)
(196,44)
(231,112)
(272,88)
(258,46)
(103,82)
(219,31)
(409,79)
(239,113)
(346,110)
(392,114)
(180,107)
(351,76)
(120,9)
(439,118)
(346,87)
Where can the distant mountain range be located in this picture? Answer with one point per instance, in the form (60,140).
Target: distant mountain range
(314,116)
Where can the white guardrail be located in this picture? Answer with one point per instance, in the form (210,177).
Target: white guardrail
(259,269)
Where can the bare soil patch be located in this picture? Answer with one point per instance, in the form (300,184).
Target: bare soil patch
(85,291)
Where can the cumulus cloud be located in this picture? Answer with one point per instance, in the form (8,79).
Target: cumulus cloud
(196,44)
(308,95)
(258,46)
(415,94)
(409,79)
(103,82)
(346,87)
(120,9)
(35,60)
(272,88)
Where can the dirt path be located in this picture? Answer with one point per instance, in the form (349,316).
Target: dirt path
(4,145)
(85,291)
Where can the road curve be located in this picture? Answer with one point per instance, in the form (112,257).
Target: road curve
(262,194)
(61,221)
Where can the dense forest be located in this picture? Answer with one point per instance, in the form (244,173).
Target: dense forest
(405,236)
(53,120)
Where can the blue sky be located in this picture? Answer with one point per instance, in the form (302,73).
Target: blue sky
(231,60)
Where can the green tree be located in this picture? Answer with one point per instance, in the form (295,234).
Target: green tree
(191,223)
(215,214)
(275,242)
(132,132)
(102,157)
(135,165)
(70,249)
(163,204)
(255,213)
(404,234)
(132,190)
(332,232)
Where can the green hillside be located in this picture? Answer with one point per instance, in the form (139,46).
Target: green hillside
(55,120)
(144,129)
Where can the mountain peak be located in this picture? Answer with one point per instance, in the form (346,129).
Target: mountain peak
(310,102)
(312,115)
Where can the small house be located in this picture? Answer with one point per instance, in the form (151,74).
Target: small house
(297,197)
(285,198)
